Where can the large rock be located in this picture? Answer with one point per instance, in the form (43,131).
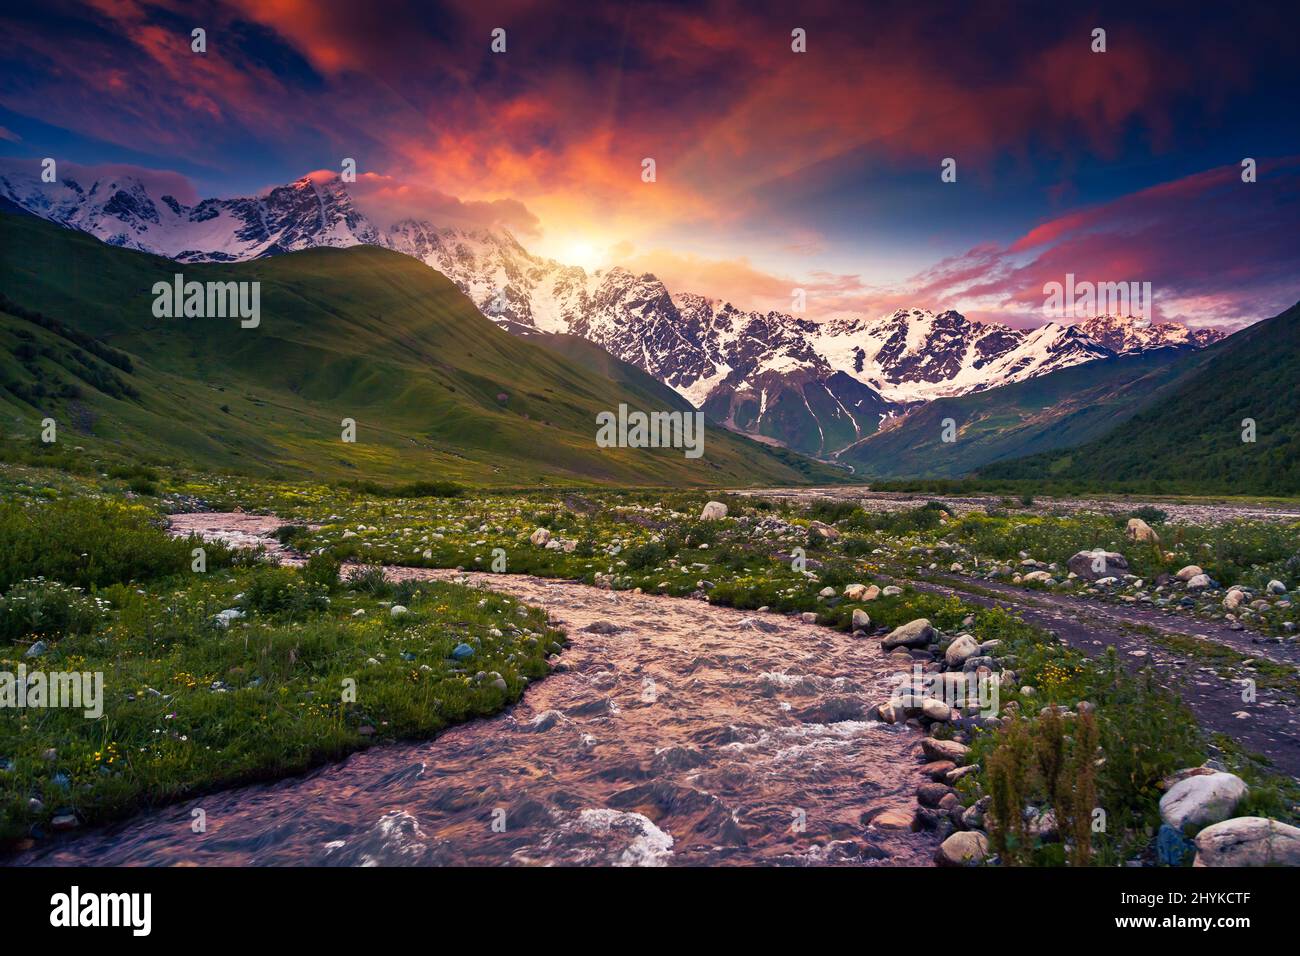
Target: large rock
(1205,798)
(936,749)
(823,531)
(916,633)
(539,538)
(1189,572)
(895,818)
(1199,582)
(962,647)
(1139,530)
(855,592)
(1248,841)
(861,620)
(1092,565)
(713,511)
(933,708)
(963,849)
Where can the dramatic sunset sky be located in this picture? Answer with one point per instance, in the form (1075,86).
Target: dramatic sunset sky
(775,169)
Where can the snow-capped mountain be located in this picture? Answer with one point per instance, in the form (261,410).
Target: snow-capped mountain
(121,210)
(1126,335)
(813,386)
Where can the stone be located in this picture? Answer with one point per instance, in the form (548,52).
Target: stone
(37,649)
(938,769)
(1276,587)
(500,684)
(895,818)
(823,531)
(861,621)
(1091,565)
(972,817)
(936,749)
(1199,582)
(462,652)
(855,592)
(892,590)
(935,709)
(963,849)
(930,794)
(891,713)
(916,633)
(873,592)
(952,776)
(963,647)
(1234,599)
(1172,848)
(396,610)
(1202,799)
(1248,841)
(1139,530)
(1189,572)
(713,511)
(1041,577)
(808,617)
(539,538)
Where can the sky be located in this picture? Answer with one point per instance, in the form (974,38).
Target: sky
(774,169)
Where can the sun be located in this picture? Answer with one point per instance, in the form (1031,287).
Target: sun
(584,253)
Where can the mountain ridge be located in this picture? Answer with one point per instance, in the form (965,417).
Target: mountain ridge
(816,387)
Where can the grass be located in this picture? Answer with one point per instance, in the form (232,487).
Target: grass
(435,388)
(191,705)
(194,705)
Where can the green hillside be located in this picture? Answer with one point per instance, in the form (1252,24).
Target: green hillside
(1191,439)
(437,391)
(1059,410)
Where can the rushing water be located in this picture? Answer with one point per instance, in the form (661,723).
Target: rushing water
(671,732)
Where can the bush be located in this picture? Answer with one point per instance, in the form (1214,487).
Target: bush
(282,591)
(646,556)
(47,610)
(90,543)
(322,570)
(830,511)
(1150,514)
(371,581)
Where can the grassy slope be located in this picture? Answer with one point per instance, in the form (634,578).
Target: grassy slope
(362,333)
(1191,439)
(1063,409)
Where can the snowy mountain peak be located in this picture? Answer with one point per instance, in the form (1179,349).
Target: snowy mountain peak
(1127,334)
(816,386)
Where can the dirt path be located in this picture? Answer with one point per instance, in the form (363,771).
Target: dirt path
(1269,725)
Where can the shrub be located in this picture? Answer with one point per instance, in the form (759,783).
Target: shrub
(89,543)
(322,570)
(47,610)
(282,591)
(829,511)
(645,556)
(371,580)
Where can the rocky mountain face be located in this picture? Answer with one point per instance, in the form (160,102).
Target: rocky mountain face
(817,387)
